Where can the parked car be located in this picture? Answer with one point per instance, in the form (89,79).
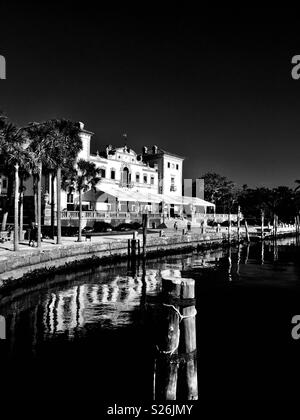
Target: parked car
(87,229)
(102,227)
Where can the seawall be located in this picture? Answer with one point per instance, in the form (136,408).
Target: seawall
(16,265)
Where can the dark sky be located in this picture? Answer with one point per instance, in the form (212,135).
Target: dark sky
(213,85)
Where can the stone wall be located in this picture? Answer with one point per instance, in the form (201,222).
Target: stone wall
(19,263)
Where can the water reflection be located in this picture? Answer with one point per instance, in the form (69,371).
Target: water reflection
(131,299)
(71,309)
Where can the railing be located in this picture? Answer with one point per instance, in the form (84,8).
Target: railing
(94,215)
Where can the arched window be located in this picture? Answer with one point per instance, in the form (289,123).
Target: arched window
(125,175)
(103,172)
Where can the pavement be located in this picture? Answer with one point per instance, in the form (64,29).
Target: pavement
(7,247)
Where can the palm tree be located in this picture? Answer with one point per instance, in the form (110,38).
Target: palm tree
(64,148)
(39,136)
(56,144)
(82,178)
(15,160)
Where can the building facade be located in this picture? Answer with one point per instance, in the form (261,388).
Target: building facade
(131,184)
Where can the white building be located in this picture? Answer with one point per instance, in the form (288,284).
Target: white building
(131,184)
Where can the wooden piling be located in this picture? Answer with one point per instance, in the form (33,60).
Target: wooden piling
(275,226)
(145,224)
(128,248)
(133,248)
(262,224)
(179,332)
(238,223)
(229,227)
(139,248)
(247,231)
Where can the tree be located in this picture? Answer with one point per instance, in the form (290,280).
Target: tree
(219,190)
(16,162)
(56,144)
(82,178)
(276,201)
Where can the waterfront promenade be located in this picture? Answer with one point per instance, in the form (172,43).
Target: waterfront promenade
(14,265)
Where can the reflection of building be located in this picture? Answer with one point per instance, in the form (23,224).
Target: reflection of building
(69,309)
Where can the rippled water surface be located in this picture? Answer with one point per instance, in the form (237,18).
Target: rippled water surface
(94,333)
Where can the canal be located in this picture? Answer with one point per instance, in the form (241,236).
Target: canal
(94,334)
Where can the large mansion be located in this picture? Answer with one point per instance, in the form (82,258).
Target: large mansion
(131,184)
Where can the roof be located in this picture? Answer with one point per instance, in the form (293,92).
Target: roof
(160,152)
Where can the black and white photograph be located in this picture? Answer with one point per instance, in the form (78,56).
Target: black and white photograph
(149,206)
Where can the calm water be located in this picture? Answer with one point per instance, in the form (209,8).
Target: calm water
(93,333)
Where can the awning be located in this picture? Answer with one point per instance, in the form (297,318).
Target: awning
(148,196)
(184,200)
(130,194)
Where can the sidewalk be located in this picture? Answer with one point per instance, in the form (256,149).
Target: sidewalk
(7,248)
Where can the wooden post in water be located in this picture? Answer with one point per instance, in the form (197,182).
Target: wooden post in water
(179,315)
(128,249)
(238,223)
(145,223)
(275,226)
(262,224)
(133,246)
(247,232)
(229,227)
(139,248)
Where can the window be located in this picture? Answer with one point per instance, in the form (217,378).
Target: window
(177,166)
(173,187)
(145,179)
(102,173)
(137,177)
(152,180)
(113,174)
(169,164)
(4,183)
(70,198)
